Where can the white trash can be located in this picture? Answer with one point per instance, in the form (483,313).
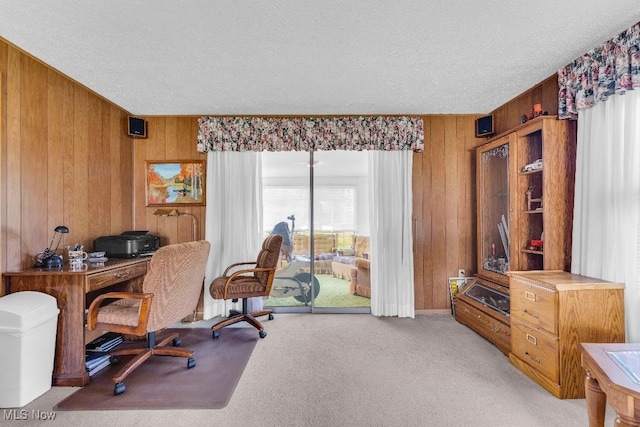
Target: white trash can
(28,323)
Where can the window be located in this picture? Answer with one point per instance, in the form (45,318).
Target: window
(335,207)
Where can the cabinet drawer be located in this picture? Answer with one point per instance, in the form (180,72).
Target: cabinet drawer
(116,275)
(535,347)
(493,330)
(535,305)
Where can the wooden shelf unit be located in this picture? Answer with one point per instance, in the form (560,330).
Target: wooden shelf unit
(553,141)
(508,218)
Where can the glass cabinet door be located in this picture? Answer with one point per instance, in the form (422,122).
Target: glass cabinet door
(489,297)
(494,209)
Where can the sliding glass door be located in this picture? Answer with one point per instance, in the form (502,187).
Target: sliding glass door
(319,202)
(286,211)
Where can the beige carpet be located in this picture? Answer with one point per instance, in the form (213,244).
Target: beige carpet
(359,370)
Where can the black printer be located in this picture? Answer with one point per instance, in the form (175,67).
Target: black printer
(130,244)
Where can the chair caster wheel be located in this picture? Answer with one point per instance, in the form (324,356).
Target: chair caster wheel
(119,388)
(270,316)
(262,334)
(177,342)
(191,362)
(216,335)
(114,360)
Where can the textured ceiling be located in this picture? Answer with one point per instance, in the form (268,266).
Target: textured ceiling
(290,57)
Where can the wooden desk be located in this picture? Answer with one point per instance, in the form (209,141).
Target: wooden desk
(606,381)
(74,290)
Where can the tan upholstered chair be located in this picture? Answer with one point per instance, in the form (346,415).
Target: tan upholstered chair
(170,292)
(246,283)
(361,278)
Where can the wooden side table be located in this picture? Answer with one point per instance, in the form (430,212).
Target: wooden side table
(607,381)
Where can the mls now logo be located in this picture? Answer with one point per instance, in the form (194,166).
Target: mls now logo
(23,414)
(16,414)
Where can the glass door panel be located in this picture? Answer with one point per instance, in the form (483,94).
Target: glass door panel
(335,183)
(286,210)
(494,210)
(341,228)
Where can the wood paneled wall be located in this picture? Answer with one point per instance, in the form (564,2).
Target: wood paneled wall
(168,138)
(444,207)
(66,160)
(507,116)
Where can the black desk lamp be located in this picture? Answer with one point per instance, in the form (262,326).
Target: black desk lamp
(48,258)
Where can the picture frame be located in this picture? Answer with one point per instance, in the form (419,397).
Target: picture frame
(175,182)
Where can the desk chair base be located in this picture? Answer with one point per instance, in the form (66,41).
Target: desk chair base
(236,316)
(151,348)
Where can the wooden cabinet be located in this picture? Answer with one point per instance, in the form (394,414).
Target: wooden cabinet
(485,309)
(524,192)
(494,176)
(552,312)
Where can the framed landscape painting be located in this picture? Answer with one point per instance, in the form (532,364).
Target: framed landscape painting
(175,182)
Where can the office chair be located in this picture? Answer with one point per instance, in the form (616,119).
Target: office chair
(247,283)
(170,292)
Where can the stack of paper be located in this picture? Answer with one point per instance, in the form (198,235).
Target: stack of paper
(96,360)
(105,342)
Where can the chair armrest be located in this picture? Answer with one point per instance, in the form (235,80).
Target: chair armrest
(145,306)
(237,264)
(244,272)
(363,263)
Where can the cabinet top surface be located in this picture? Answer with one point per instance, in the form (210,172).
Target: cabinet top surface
(91,268)
(532,124)
(564,281)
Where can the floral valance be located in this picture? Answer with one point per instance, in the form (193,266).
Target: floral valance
(312,133)
(612,68)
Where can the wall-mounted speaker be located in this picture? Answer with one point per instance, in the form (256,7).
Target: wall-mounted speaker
(137,127)
(484,126)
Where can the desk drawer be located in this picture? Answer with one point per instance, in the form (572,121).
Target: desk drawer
(116,275)
(535,347)
(535,305)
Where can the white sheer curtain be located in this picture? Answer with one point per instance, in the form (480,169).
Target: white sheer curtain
(233,218)
(606,226)
(392,290)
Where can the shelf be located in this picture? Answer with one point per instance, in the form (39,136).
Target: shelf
(535,211)
(531,172)
(529,251)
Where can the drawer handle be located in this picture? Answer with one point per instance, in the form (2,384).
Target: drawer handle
(533,340)
(530,295)
(122,275)
(535,315)
(535,359)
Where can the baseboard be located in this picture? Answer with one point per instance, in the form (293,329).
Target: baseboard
(434,311)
